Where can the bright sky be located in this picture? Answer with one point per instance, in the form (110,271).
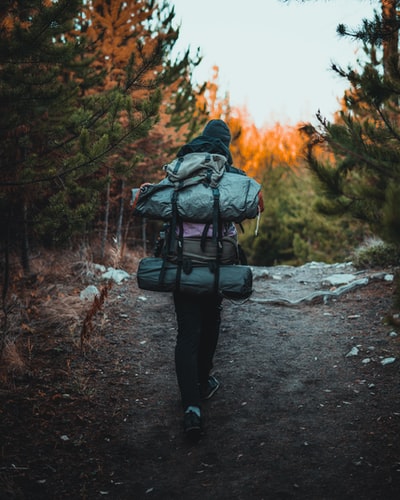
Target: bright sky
(273,57)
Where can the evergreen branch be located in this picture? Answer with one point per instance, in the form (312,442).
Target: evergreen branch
(90,123)
(355,155)
(374,32)
(59,10)
(386,121)
(92,160)
(348,151)
(147,66)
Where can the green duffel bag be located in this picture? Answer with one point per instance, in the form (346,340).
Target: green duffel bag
(234,281)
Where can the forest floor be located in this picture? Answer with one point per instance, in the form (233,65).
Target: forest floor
(308,407)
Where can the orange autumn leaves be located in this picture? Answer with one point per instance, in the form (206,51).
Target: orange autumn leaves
(259,150)
(254,149)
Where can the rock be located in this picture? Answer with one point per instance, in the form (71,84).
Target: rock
(339,279)
(353,352)
(89,293)
(387,361)
(116,275)
(260,272)
(100,268)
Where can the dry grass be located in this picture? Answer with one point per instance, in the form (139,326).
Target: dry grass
(12,358)
(48,301)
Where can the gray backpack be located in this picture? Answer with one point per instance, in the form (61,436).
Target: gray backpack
(194,168)
(198,188)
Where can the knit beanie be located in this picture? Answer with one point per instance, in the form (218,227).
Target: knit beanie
(218,129)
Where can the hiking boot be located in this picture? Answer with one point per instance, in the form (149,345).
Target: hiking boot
(210,388)
(192,426)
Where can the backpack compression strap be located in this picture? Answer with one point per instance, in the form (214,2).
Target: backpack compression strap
(173,241)
(169,246)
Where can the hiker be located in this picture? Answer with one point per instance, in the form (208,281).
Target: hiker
(199,316)
(200,200)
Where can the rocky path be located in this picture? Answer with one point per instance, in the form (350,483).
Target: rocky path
(308,407)
(298,416)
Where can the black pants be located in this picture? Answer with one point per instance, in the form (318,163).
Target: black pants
(199,319)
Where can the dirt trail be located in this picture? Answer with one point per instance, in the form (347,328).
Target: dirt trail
(295,417)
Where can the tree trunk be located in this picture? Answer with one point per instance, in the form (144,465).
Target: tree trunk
(391,40)
(25,240)
(120,214)
(106,220)
(5,283)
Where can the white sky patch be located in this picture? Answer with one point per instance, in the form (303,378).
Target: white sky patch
(274,58)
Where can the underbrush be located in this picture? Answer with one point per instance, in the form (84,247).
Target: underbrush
(375,253)
(47,304)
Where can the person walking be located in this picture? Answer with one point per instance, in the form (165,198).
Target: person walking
(199,317)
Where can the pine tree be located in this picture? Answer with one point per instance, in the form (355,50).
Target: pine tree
(364,179)
(37,108)
(67,114)
(132,40)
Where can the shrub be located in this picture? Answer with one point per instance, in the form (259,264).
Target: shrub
(375,253)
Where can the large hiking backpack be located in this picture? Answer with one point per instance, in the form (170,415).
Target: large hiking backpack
(198,188)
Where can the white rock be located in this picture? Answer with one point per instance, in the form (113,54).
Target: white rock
(353,352)
(116,275)
(388,361)
(339,279)
(89,293)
